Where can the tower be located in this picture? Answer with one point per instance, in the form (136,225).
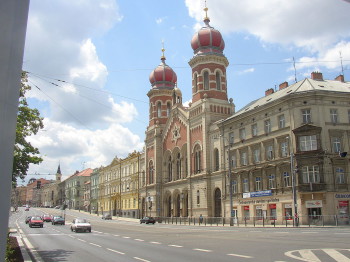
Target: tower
(58,173)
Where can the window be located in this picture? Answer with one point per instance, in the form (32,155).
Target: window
(244,160)
(150,111)
(258,184)
(334,116)
(272,183)
(311,174)
(306,114)
(231,137)
(150,173)
(336,144)
(254,129)
(206,80)
(159,109)
(340,175)
(307,143)
(256,154)
(195,83)
(168,108)
(284,149)
(281,122)
(218,80)
(245,185)
(242,133)
(197,160)
(269,152)
(267,126)
(170,169)
(198,199)
(233,161)
(286,179)
(216,157)
(234,186)
(178,166)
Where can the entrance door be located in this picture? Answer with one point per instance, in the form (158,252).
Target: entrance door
(314,213)
(217,203)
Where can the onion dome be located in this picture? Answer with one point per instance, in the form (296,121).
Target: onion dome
(163,76)
(207,39)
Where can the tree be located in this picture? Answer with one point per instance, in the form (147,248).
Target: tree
(29,123)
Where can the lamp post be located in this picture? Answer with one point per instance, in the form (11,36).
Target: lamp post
(230,182)
(294,191)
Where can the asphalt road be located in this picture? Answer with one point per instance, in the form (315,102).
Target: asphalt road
(122,240)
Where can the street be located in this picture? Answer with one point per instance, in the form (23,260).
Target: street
(128,240)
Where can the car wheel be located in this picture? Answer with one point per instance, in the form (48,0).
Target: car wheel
(71,229)
(30,225)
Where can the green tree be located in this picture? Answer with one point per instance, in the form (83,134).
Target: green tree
(29,123)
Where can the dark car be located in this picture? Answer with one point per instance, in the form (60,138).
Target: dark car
(36,222)
(107,216)
(58,220)
(27,219)
(47,218)
(147,220)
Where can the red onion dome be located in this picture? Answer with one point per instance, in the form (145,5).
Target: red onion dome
(207,40)
(163,76)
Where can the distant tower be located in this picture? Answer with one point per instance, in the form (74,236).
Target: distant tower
(58,173)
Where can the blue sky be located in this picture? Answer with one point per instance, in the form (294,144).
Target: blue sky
(103,51)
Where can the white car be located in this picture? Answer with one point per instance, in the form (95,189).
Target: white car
(80,224)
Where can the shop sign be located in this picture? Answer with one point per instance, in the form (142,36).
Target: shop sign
(272,206)
(246,207)
(313,203)
(258,194)
(258,207)
(288,205)
(246,195)
(343,203)
(342,195)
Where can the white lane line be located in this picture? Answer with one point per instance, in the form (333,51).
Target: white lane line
(82,240)
(337,256)
(144,260)
(342,233)
(202,250)
(255,231)
(153,242)
(126,237)
(94,244)
(309,255)
(137,239)
(308,232)
(71,236)
(237,255)
(98,232)
(281,232)
(115,251)
(116,235)
(174,246)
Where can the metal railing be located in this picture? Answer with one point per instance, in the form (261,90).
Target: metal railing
(279,221)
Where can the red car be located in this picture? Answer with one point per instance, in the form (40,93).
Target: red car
(36,222)
(47,218)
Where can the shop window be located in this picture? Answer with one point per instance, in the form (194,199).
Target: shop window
(273,214)
(288,212)
(246,212)
(259,213)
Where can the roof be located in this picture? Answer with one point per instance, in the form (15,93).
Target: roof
(86,172)
(306,85)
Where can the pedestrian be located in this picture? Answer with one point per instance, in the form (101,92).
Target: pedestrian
(200,219)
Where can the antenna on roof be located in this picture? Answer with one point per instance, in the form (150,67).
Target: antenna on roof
(295,71)
(341,63)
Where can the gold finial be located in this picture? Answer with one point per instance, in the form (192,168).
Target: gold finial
(206,18)
(163,56)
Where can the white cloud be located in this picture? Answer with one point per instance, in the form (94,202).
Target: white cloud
(243,72)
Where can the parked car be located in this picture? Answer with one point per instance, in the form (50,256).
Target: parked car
(27,219)
(107,216)
(58,220)
(47,218)
(36,221)
(27,209)
(80,224)
(147,220)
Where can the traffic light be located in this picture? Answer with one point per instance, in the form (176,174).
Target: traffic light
(343,154)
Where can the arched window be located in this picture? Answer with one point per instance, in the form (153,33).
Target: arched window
(216,158)
(151,111)
(197,160)
(170,169)
(195,83)
(168,108)
(178,166)
(218,80)
(159,109)
(206,80)
(150,173)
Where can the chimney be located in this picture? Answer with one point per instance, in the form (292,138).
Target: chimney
(340,78)
(283,85)
(316,76)
(269,92)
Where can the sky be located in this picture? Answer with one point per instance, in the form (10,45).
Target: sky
(89,63)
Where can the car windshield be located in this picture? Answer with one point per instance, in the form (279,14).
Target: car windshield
(81,220)
(36,218)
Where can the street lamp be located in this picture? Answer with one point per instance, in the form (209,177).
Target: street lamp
(294,191)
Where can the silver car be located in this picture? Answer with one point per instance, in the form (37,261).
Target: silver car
(80,224)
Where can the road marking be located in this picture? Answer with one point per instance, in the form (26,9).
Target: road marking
(98,232)
(336,255)
(137,239)
(202,250)
(281,232)
(174,246)
(94,244)
(71,236)
(342,233)
(256,231)
(237,255)
(115,251)
(155,243)
(126,237)
(309,232)
(82,240)
(144,260)
(116,235)
(309,255)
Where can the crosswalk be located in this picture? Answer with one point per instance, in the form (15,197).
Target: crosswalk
(320,255)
